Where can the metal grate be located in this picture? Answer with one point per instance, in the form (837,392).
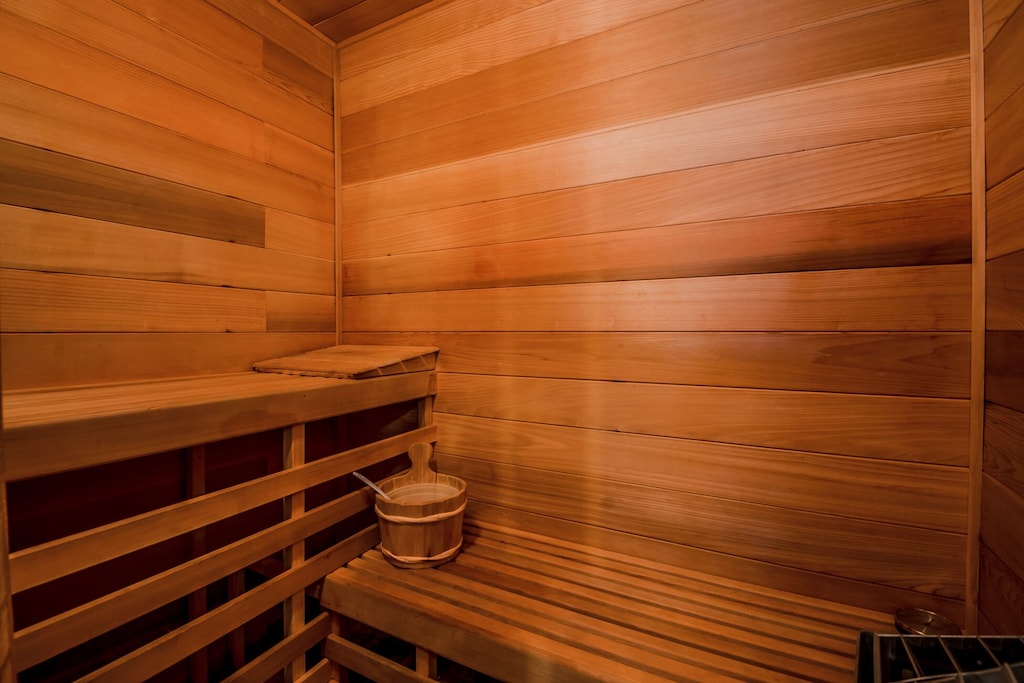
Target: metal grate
(939,659)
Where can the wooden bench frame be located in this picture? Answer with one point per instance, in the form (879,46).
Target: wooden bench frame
(67,429)
(521,606)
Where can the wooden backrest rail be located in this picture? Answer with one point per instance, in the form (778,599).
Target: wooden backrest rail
(43,640)
(161,653)
(48,561)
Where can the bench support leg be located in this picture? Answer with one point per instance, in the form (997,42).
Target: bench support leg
(426,662)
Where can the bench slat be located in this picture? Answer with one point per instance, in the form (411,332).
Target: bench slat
(512,597)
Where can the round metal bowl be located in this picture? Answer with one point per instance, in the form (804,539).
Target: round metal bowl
(922,622)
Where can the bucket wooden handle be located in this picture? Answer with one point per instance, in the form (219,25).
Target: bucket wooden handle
(421,472)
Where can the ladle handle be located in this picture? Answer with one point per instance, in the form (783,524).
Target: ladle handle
(421,472)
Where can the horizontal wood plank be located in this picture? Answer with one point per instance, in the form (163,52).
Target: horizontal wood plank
(911,364)
(49,561)
(995,15)
(671,121)
(271,21)
(297,234)
(93,75)
(368,663)
(292,153)
(755,55)
(1001,600)
(1004,212)
(122,33)
(32,361)
(294,646)
(1001,512)
(1004,375)
(44,118)
(287,312)
(877,553)
(1004,150)
(903,299)
(282,67)
(893,234)
(364,16)
(805,119)
(59,243)
(161,653)
(480,46)
(1003,460)
(1003,57)
(915,430)
(39,179)
(1004,305)
(48,302)
(932,164)
(107,424)
(50,637)
(856,594)
(416,32)
(917,495)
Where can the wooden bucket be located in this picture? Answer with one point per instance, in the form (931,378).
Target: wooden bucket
(421,526)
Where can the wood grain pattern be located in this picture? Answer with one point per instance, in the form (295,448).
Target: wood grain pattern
(61,243)
(104,424)
(298,76)
(1003,58)
(38,179)
(922,298)
(1002,597)
(807,119)
(1004,151)
(291,153)
(288,312)
(276,658)
(368,663)
(768,576)
(1003,427)
(269,20)
(363,16)
(297,234)
(938,87)
(93,75)
(915,495)
(878,553)
(756,64)
(931,430)
(996,14)
(1005,210)
(1005,283)
(132,37)
(1004,377)
(417,31)
(550,214)
(47,302)
(912,167)
(893,234)
(7,672)
(886,363)
(1000,529)
(43,118)
(32,361)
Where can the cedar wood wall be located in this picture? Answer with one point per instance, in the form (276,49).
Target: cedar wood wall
(528,185)
(1002,519)
(166,188)
(699,272)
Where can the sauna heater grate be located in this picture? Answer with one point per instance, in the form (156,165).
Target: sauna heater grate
(939,659)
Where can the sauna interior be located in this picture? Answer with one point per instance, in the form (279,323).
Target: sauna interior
(707,293)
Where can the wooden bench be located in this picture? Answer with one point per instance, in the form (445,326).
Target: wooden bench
(69,431)
(522,607)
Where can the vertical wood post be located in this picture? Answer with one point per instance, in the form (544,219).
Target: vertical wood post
(979,239)
(195,485)
(294,555)
(6,615)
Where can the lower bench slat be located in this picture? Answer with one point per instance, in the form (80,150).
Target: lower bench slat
(517,606)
